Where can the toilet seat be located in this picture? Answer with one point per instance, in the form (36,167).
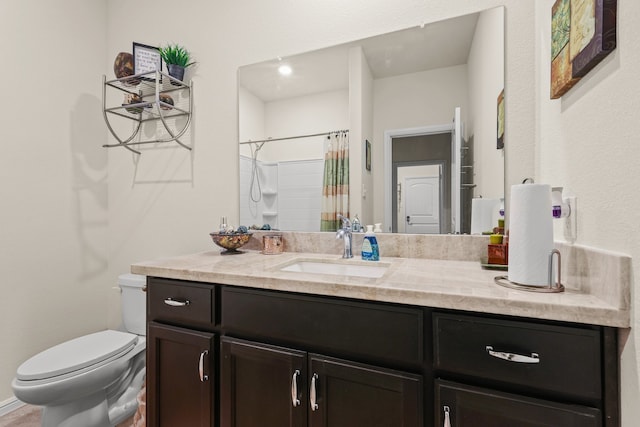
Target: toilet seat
(77,354)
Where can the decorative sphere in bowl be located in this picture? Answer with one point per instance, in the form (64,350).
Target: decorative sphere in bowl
(230,241)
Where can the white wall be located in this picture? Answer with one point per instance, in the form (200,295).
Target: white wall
(588,143)
(304,115)
(53,186)
(55,248)
(251,116)
(360,129)
(366,193)
(486,80)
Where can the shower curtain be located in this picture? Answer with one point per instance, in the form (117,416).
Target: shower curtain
(335,188)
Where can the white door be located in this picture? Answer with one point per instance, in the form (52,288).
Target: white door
(422,205)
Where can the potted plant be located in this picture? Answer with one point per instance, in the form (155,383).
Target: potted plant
(177,59)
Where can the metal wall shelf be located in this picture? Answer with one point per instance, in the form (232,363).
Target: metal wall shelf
(143,103)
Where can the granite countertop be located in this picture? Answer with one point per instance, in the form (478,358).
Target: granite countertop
(453,284)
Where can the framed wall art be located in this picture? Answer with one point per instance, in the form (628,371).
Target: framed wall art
(146,59)
(500,124)
(367,154)
(583,32)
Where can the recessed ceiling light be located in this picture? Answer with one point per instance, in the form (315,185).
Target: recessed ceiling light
(284,70)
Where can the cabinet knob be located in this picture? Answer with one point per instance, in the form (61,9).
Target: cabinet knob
(294,389)
(513,357)
(312,393)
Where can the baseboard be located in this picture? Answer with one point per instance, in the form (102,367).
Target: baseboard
(10,405)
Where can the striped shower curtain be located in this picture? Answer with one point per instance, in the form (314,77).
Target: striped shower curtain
(335,188)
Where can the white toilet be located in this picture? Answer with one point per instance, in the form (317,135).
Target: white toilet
(93,380)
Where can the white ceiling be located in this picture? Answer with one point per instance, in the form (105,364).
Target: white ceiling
(436,45)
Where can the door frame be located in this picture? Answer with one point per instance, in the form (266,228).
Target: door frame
(387,162)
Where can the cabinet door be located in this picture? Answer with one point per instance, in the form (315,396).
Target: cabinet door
(262,385)
(467,406)
(345,394)
(180,383)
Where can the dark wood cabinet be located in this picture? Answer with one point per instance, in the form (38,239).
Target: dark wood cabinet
(347,394)
(180,377)
(459,405)
(561,361)
(230,356)
(181,303)
(504,372)
(358,330)
(263,385)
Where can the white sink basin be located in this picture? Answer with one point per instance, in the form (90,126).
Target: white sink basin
(338,269)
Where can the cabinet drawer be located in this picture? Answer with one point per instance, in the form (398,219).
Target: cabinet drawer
(367,330)
(562,359)
(182,303)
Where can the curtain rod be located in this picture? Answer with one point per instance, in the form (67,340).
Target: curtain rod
(294,137)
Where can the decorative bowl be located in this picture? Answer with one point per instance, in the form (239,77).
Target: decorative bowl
(230,241)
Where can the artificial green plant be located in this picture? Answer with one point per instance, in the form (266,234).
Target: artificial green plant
(176,54)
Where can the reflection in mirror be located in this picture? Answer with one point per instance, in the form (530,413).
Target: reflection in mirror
(400,92)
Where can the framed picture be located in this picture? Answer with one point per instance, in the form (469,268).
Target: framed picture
(583,32)
(367,154)
(500,124)
(146,59)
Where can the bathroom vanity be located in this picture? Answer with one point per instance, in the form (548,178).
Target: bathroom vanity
(241,341)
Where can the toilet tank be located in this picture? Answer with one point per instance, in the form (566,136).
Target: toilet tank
(134,302)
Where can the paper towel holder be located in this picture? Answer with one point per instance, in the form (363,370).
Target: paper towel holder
(552,285)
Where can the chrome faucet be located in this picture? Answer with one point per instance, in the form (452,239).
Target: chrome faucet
(345,234)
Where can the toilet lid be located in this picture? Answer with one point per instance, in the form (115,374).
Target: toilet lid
(76,354)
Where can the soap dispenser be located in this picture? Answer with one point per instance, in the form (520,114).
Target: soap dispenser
(370,250)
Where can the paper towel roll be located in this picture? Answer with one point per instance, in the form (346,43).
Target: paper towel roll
(484,214)
(530,234)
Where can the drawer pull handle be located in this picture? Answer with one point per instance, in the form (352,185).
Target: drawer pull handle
(203,376)
(312,393)
(447,420)
(294,389)
(175,303)
(513,357)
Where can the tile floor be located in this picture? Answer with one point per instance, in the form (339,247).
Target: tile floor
(25,416)
(29,416)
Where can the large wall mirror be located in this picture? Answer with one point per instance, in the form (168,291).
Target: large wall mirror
(418,110)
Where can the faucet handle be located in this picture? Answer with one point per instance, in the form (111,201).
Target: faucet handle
(346,222)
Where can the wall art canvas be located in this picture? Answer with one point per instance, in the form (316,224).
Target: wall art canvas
(146,59)
(367,155)
(583,32)
(500,125)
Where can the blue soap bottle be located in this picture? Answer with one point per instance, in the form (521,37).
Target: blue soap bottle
(370,251)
